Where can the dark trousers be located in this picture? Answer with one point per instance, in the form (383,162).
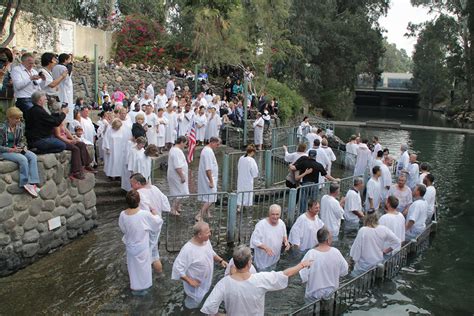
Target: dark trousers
(24,104)
(79,156)
(48,145)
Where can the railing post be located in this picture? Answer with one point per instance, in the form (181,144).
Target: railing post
(273,138)
(268,168)
(231,218)
(225,173)
(380,271)
(292,206)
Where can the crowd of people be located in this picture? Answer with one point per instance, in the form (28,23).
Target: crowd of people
(406,206)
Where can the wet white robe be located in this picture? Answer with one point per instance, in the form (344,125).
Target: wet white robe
(136,229)
(374,192)
(351,155)
(396,223)
(331,157)
(385,181)
(161,131)
(413,175)
(303,232)
(247,171)
(352,203)
(270,236)
(196,262)
(244,297)
(322,277)
(331,214)
(258,131)
(177,160)
(231,264)
(364,156)
(170,133)
(151,133)
(430,198)
(417,213)
(207,161)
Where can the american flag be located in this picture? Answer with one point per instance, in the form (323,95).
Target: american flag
(191,142)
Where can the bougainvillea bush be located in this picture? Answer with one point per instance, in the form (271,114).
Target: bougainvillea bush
(142,40)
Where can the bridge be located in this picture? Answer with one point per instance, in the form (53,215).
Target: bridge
(393,89)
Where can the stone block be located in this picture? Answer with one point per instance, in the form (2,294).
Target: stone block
(89,199)
(63,220)
(58,176)
(29,250)
(46,238)
(50,174)
(42,176)
(64,157)
(78,198)
(44,216)
(57,201)
(71,210)
(21,217)
(17,233)
(66,201)
(62,187)
(35,207)
(88,225)
(3,186)
(44,250)
(59,211)
(56,242)
(75,221)
(5,200)
(87,213)
(15,177)
(30,223)
(84,186)
(71,234)
(8,166)
(49,205)
(31,236)
(49,160)
(21,202)
(17,245)
(4,239)
(94,213)
(73,192)
(5,213)
(7,178)
(48,190)
(9,224)
(60,232)
(42,227)
(15,189)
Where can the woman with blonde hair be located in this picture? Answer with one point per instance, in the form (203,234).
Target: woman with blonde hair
(13,148)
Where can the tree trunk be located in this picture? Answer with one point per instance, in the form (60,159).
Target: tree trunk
(11,29)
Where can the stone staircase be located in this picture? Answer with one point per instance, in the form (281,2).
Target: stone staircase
(108,193)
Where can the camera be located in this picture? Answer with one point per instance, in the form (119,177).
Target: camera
(149,126)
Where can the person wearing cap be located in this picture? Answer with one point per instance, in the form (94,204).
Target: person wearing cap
(308,172)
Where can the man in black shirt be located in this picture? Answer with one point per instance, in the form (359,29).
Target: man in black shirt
(308,171)
(39,126)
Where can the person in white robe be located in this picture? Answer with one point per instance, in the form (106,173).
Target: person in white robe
(114,148)
(150,90)
(243,292)
(291,158)
(311,136)
(403,194)
(304,128)
(393,220)
(161,130)
(171,132)
(213,124)
(151,121)
(104,123)
(424,170)
(430,196)
(332,210)
(413,172)
(377,161)
(170,87)
(258,131)
(188,119)
(208,175)
(247,171)
(373,196)
(152,200)
(417,213)
(127,140)
(161,100)
(322,277)
(66,89)
(136,225)
(87,125)
(321,157)
(194,265)
(377,147)
(371,244)
(353,211)
(351,153)
(138,161)
(231,269)
(364,155)
(267,239)
(177,174)
(404,160)
(303,232)
(201,122)
(329,153)
(386,178)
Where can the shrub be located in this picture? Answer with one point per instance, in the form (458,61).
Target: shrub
(289,101)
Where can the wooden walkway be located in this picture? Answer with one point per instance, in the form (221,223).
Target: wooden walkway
(398,125)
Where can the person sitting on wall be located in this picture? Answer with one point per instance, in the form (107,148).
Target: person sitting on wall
(40,125)
(13,148)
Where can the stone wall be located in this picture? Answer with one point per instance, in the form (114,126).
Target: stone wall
(24,229)
(124,78)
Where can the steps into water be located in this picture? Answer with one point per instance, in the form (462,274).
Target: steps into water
(108,193)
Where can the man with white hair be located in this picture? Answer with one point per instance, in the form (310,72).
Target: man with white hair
(303,232)
(402,192)
(194,265)
(26,81)
(328,266)
(413,172)
(243,292)
(353,205)
(267,239)
(404,159)
(332,210)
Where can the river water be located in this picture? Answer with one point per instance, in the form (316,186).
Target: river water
(89,275)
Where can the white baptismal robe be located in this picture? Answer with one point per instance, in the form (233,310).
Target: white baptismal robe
(115,143)
(322,277)
(374,192)
(207,161)
(303,232)
(331,157)
(161,131)
(367,249)
(177,160)
(385,181)
(396,223)
(232,264)
(151,120)
(352,203)
(170,133)
(417,212)
(270,236)
(196,262)
(247,171)
(89,129)
(244,297)
(331,214)
(201,122)
(151,198)
(136,229)
(138,162)
(364,155)
(430,198)
(258,131)
(213,125)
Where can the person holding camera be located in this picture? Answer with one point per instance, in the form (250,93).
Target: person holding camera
(13,148)
(49,85)
(26,81)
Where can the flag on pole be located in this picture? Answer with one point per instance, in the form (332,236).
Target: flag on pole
(191,142)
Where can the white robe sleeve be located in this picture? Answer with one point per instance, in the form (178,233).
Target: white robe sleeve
(304,273)
(180,265)
(272,281)
(257,237)
(356,249)
(214,300)
(296,233)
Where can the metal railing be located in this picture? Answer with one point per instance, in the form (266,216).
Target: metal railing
(230,172)
(322,123)
(279,167)
(287,135)
(233,137)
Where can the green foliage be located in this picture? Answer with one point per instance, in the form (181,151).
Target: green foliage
(289,101)
(395,60)
(153,9)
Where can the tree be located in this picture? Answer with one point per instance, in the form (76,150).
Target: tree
(395,60)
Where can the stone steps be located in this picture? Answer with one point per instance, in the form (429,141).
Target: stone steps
(108,193)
